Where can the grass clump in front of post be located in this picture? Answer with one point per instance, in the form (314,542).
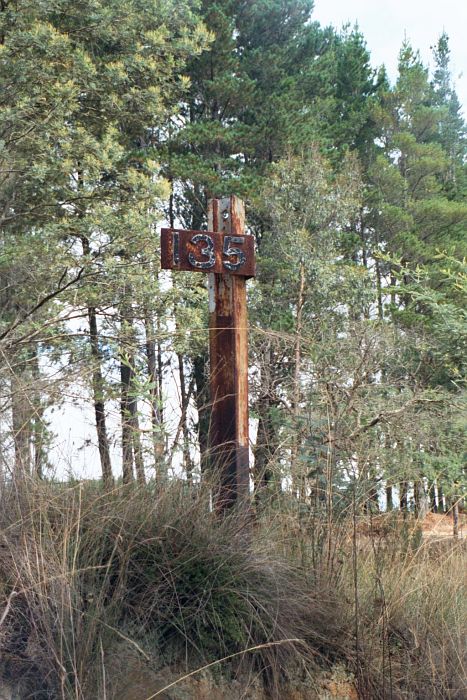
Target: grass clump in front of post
(86,576)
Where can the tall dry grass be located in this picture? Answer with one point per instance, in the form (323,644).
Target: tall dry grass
(83,572)
(81,569)
(411,613)
(403,597)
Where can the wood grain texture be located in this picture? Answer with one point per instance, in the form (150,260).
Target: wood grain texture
(228,438)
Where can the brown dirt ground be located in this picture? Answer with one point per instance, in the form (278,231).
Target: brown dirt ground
(440,526)
(434,526)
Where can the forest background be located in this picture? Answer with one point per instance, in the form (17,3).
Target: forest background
(115,120)
(117,117)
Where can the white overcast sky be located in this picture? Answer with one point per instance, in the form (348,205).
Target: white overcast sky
(384,23)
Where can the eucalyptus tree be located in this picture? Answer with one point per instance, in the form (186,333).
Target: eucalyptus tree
(304,289)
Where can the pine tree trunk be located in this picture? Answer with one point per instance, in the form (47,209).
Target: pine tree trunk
(21,420)
(373,500)
(160,384)
(185,399)
(389,497)
(362,238)
(97,378)
(379,291)
(156,399)
(200,362)
(127,442)
(202,406)
(98,396)
(127,408)
(403,497)
(417,498)
(131,435)
(98,388)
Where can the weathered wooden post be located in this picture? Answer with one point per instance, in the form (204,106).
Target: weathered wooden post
(228,255)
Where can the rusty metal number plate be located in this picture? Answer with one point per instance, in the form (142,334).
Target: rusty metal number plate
(206,251)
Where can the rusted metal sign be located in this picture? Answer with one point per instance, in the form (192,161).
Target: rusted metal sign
(228,254)
(207,251)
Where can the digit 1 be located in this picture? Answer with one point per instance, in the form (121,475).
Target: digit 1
(176,247)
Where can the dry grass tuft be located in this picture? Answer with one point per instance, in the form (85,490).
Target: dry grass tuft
(81,570)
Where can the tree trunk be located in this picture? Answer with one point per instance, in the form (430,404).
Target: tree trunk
(441,501)
(127,442)
(136,433)
(267,441)
(372,502)
(98,388)
(98,395)
(392,288)
(185,398)
(433,504)
(38,425)
(379,290)
(389,496)
(266,447)
(160,384)
(202,406)
(155,398)
(131,435)
(297,479)
(403,500)
(21,420)
(417,498)
(455,518)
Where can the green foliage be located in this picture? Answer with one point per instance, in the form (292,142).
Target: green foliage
(113,116)
(83,86)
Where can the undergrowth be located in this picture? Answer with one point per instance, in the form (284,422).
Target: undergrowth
(82,571)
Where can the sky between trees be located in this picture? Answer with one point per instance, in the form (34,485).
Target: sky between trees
(385,25)
(117,117)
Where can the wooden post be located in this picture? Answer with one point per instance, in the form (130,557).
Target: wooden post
(228,353)
(227,254)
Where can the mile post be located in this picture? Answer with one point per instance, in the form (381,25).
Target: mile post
(227,254)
